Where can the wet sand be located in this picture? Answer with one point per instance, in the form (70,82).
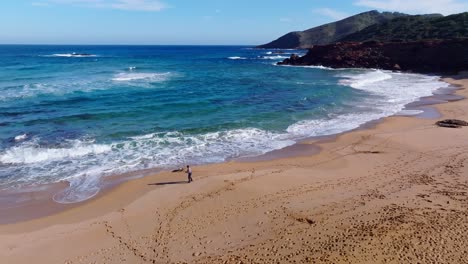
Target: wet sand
(392,193)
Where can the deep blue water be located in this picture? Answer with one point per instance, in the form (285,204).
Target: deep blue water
(117,109)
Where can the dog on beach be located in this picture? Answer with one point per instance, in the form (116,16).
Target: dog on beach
(178,170)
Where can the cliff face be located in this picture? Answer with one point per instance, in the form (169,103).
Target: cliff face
(331,32)
(429,56)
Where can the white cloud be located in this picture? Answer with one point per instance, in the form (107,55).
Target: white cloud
(139,5)
(445,7)
(133,5)
(331,13)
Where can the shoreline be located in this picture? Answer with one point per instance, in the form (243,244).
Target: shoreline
(15,212)
(380,194)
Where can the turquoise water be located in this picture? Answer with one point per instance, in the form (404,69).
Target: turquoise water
(81,113)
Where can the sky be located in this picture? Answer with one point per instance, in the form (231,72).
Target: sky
(185,22)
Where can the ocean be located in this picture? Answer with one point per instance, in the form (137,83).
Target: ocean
(82,113)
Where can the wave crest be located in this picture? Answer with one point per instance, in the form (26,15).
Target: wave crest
(237,58)
(71,55)
(275,57)
(359,81)
(21,137)
(84,163)
(154,77)
(32,152)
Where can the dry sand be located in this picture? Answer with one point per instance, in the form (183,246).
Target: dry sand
(395,193)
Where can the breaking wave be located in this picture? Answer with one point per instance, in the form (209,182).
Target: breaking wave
(154,77)
(71,55)
(84,163)
(31,152)
(237,58)
(275,57)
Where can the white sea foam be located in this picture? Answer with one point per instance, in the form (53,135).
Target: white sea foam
(311,67)
(71,55)
(363,81)
(29,90)
(55,88)
(393,90)
(82,187)
(275,57)
(128,77)
(177,148)
(21,137)
(390,92)
(237,58)
(409,112)
(84,163)
(31,152)
(131,68)
(93,83)
(318,67)
(332,125)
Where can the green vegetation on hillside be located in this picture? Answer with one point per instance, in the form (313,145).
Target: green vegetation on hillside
(331,32)
(413,28)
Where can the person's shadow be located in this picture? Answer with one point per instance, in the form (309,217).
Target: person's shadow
(167,183)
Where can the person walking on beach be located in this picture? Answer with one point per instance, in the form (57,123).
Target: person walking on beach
(189,174)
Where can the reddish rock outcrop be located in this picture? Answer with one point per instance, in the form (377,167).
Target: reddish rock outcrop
(429,56)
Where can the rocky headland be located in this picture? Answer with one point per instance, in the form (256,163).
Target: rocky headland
(425,56)
(331,32)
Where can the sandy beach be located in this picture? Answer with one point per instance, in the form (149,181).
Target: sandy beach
(392,193)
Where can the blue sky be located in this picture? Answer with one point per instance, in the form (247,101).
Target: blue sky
(184,21)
